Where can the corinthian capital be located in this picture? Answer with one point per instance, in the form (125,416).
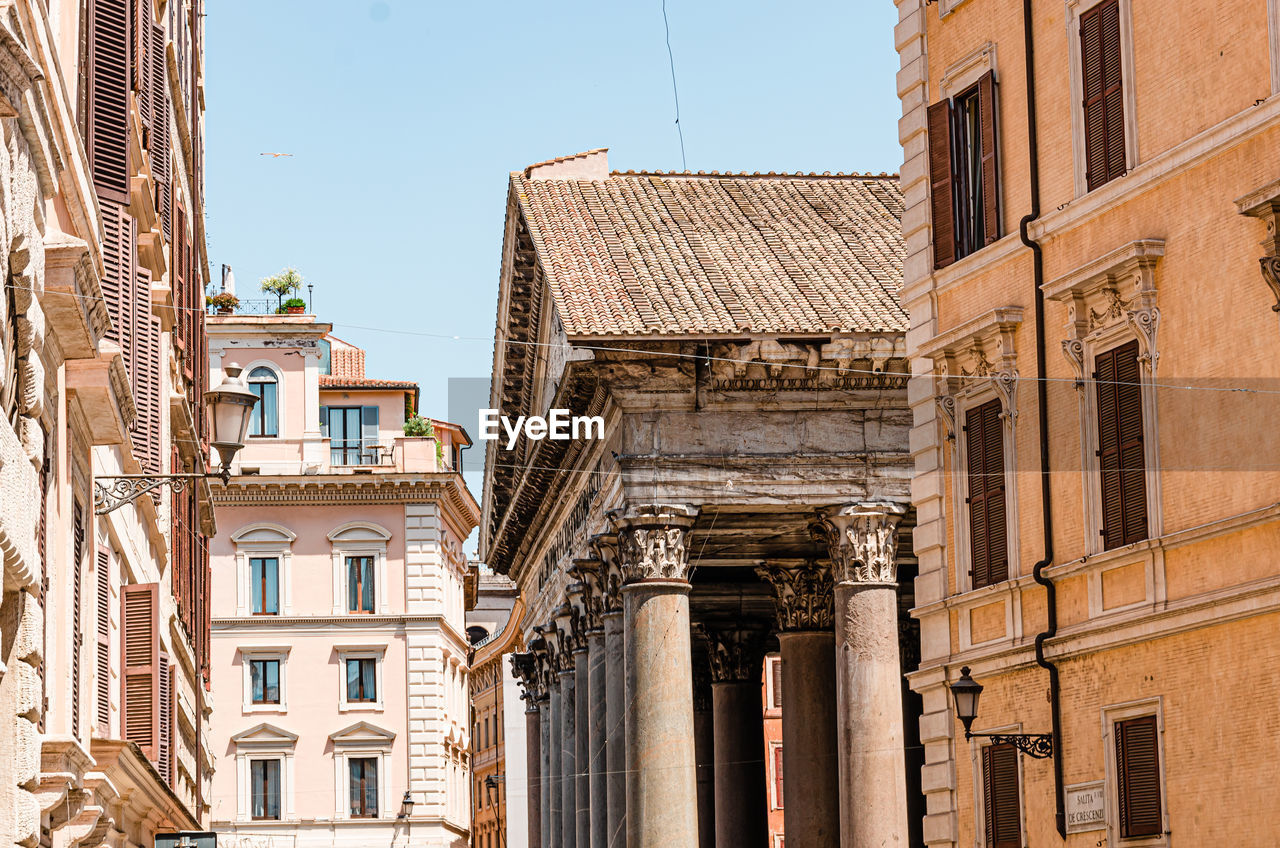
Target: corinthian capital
(588,600)
(653,542)
(735,652)
(606,547)
(802,595)
(862,541)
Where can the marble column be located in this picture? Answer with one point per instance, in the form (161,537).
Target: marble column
(736,656)
(803,601)
(661,788)
(568,736)
(555,748)
(862,540)
(615,767)
(524,665)
(704,754)
(545,778)
(582,743)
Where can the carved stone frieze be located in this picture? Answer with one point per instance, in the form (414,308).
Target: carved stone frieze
(1264,204)
(842,363)
(972,357)
(862,541)
(802,595)
(735,651)
(653,541)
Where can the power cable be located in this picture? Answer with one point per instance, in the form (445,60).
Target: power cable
(671,58)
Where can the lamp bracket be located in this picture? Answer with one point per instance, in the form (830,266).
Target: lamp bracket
(112,492)
(1036,745)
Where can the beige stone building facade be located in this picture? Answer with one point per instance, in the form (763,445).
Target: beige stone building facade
(1090,187)
(104,635)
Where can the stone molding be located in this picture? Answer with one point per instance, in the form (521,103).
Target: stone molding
(653,541)
(862,541)
(1264,204)
(735,651)
(980,353)
(803,594)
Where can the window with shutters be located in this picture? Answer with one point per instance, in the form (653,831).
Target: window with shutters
(964,172)
(1121,454)
(985,477)
(109,58)
(77,602)
(776,763)
(1103,127)
(140,626)
(1135,774)
(773,668)
(1001,801)
(102,689)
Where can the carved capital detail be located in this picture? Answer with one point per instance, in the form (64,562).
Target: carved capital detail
(524,667)
(1271,276)
(653,541)
(735,652)
(862,541)
(588,600)
(803,595)
(605,546)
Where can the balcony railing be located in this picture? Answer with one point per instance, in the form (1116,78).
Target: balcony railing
(250,306)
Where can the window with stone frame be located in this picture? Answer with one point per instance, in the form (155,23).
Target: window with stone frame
(363,787)
(964,174)
(1001,799)
(988,531)
(264,789)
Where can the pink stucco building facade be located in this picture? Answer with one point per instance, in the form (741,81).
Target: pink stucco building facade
(338,642)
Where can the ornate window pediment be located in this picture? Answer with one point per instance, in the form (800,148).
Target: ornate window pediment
(265,736)
(263,532)
(1113,291)
(973,357)
(362,734)
(1264,204)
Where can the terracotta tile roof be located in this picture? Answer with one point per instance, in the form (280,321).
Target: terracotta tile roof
(339,382)
(346,361)
(688,254)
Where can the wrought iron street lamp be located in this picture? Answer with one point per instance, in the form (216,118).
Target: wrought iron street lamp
(229,406)
(966,691)
(406,805)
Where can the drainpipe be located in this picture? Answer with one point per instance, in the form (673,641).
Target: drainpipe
(1042,402)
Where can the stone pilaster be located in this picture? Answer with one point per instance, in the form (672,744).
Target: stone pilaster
(661,788)
(803,599)
(735,655)
(862,542)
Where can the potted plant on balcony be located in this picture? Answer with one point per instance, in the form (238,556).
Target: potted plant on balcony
(294,306)
(224,302)
(419,427)
(287,282)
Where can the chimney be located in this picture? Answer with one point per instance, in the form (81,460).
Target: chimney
(591,165)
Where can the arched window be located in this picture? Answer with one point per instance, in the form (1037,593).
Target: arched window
(265,420)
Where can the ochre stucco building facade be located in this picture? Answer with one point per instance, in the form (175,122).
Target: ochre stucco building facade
(1142,347)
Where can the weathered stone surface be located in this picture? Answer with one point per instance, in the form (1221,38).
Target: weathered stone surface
(28,642)
(811,793)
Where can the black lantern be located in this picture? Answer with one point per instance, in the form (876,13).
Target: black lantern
(406,805)
(966,691)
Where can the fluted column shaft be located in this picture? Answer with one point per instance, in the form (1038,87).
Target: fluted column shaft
(661,788)
(533,767)
(597,758)
(568,760)
(615,731)
(862,541)
(582,745)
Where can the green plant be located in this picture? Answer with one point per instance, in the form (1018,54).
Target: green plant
(419,427)
(293,303)
(222,300)
(287,282)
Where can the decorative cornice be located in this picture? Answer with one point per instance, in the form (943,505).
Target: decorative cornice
(862,541)
(803,595)
(977,353)
(1264,204)
(735,652)
(653,541)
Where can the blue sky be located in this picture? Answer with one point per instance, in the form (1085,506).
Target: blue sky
(404,118)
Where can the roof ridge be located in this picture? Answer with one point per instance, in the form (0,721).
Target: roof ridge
(557,159)
(813,175)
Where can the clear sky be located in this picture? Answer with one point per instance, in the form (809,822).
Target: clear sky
(404,118)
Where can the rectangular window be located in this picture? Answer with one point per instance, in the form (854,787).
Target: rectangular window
(1104,142)
(264,579)
(1121,458)
(1000,797)
(264,780)
(777,777)
(775,667)
(1138,777)
(963,172)
(353,434)
(360,584)
(264,678)
(988,544)
(362,684)
(364,787)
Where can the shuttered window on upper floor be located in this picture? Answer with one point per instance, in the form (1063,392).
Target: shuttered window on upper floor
(109,62)
(140,698)
(1121,458)
(1138,777)
(963,172)
(1103,77)
(1000,799)
(988,533)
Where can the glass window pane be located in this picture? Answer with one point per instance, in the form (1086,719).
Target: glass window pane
(255,583)
(271,589)
(366,583)
(353,584)
(273,789)
(353,680)
(367,668)
(255,680)
(272,677)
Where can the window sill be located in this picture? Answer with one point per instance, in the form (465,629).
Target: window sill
(248,709)
(361,707)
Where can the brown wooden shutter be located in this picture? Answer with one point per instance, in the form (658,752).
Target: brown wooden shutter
(140,620)
(777,682)
(77,637)
(118,281)
(1103,93)
(1138,772)
(164,748)
(1000,796)
(990,169)
(944,231)
(1121,458)
(108,118)
(988,542)
(147,428)
(777,775)
(158,93)
(103,688)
